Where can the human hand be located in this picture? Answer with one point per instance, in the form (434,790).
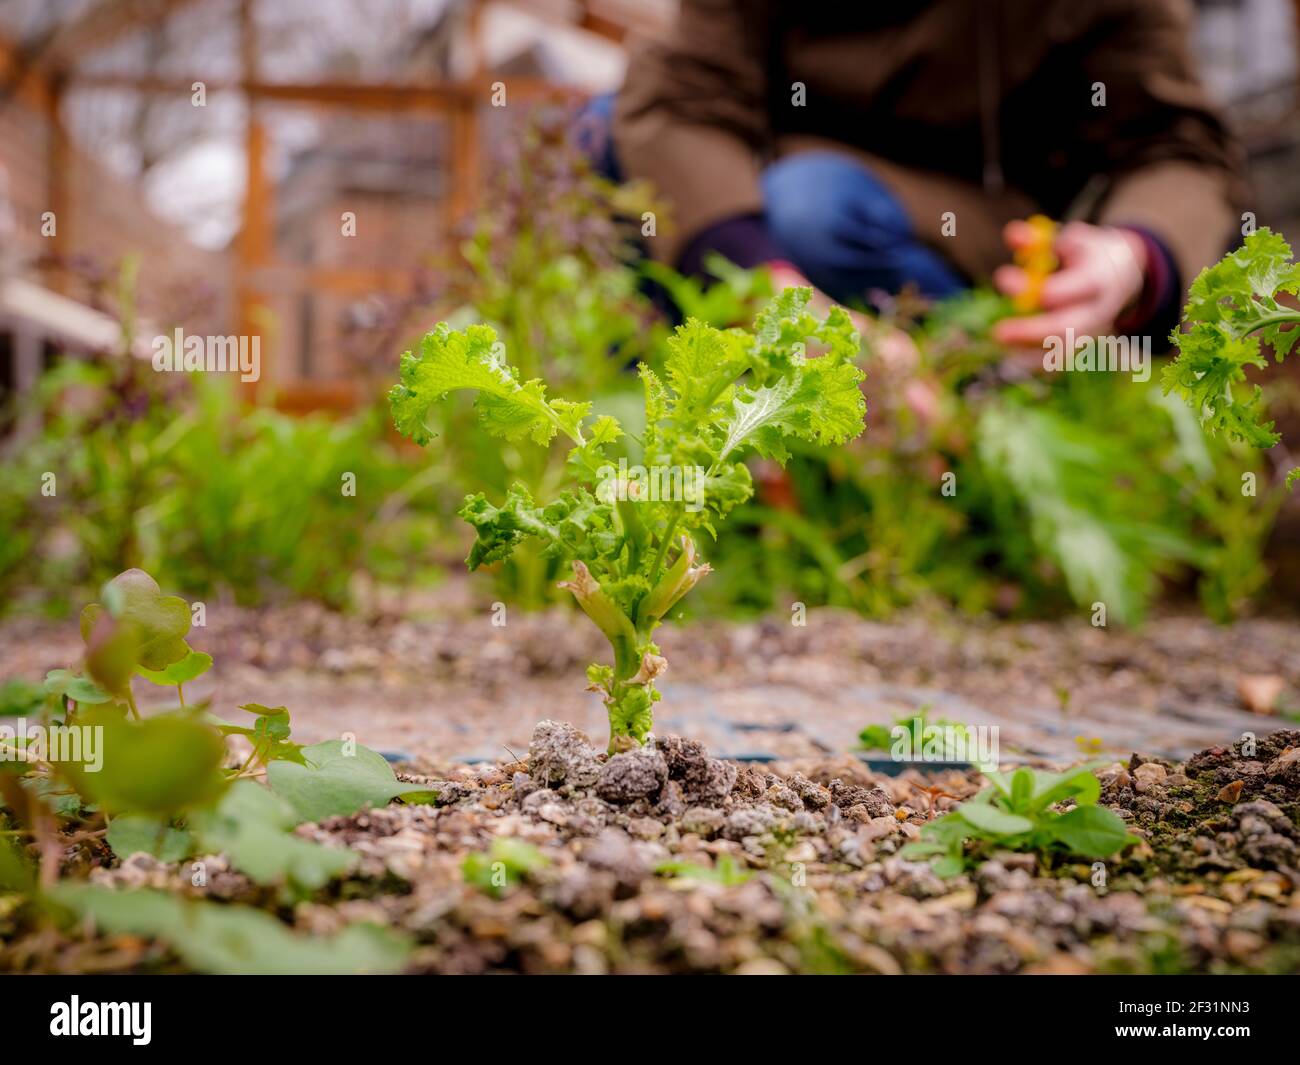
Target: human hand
(1102,273)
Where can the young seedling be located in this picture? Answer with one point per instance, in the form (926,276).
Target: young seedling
(1016,813)
(507,864)
(726,870)
(629,533)
(1231,307)
(915,732)
(159,782)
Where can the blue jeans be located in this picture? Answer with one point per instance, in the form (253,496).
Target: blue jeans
(826,212)
(846,232)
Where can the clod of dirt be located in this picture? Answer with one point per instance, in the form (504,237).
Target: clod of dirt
(560,754)
(813,795)
(703,821)
(751,821)
(616,852)
(1286,767)
(876,801)
(701,778)
(632,775)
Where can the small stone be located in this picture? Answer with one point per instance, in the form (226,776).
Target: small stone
(703,821)
(1259,692)
(788,798)
(801,852)
(538,798)
(701,778)
(1230,793)
(876,800)
(1283,762)
(1148,775)
(761,967)
(751,822)
(645,828)
(614,851)
(878,828)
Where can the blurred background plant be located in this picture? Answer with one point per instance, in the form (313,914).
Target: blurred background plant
(976,484)
(1000,490)
(175,473)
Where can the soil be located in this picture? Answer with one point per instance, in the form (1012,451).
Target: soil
(666,860)
(452,686)
(670,859)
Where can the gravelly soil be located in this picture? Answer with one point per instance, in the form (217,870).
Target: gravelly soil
(456,687)
(811,840)
(816,884)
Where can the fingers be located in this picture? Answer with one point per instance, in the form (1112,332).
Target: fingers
(1010,280)
(1073,240)
(1061,289)
(1069,286)
(1018,234)
(1086,319)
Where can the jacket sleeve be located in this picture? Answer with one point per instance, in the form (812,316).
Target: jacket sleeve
(1174,168)
(692,116)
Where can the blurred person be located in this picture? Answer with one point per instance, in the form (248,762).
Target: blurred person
(880,146)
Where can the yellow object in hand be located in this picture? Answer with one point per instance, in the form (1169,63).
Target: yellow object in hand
(1037,260)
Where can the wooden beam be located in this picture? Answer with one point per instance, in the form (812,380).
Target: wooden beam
(307,396)
(442,98)
(280,278)
(611,21)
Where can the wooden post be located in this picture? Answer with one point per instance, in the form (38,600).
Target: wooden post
(463,173)
(28,365)
(58,182)
(253,245)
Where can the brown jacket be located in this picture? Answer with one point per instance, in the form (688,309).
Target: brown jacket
(981,107)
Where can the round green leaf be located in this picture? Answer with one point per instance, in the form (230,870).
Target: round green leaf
(160,621)
(158,765)
(133,833)
(193,665)
(334,782)
(77,688)
(992,821)
(1091,831)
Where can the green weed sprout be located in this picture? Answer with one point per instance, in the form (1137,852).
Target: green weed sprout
(1016,813)
(920,730)
(1231,307)
(629,533)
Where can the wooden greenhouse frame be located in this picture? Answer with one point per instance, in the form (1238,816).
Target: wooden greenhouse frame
(43,79)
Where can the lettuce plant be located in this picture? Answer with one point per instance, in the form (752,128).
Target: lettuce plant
(629,533)
(1231,307)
